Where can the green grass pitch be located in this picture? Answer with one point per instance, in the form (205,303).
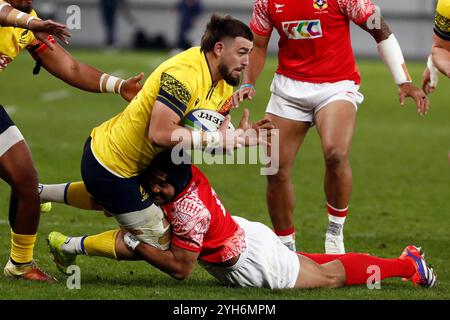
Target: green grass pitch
(400,168)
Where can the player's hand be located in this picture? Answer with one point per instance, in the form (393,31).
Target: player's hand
(230,139)
(131,87)
(4,60)
(246,91)
(44,28)
(421,99)
(258,132)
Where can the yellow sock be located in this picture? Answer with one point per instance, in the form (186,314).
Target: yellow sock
(22,247)
(102,245)
(77,196)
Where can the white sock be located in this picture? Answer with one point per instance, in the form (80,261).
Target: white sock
(74,245)
(53,192)
(335,225)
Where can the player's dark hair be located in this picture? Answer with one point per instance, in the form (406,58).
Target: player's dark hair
(220,28)
(178,175)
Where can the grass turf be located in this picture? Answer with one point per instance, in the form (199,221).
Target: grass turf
(400,170)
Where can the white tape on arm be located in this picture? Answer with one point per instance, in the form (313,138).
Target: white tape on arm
(434,72)
(392,55)
(109,83)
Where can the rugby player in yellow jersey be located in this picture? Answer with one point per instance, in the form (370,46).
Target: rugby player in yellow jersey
(11,17)
(16,165)
(439,60)
(120,149)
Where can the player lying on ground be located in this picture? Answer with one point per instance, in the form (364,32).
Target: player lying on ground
(439,60)
(234,250)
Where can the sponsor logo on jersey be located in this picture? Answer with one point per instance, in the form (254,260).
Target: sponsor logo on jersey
(23,37)
(320,4)
(304,29)
(144,194)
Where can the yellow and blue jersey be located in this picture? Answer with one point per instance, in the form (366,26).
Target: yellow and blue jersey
(442,20)
(13,40)
(183,83)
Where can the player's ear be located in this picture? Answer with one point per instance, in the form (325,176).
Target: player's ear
(218,48)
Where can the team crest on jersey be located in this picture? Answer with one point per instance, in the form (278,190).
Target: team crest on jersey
(303,29)
(320,4)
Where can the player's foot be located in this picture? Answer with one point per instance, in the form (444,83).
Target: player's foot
(334,244)
(29,271)
(424,275)
(46,207)
(62,259)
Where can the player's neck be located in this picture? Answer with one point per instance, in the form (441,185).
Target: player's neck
(213,65)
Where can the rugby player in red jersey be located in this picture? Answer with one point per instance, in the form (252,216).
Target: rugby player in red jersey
(317,82)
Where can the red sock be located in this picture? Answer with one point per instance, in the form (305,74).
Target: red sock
(321,258)
(357,267)
(286,232)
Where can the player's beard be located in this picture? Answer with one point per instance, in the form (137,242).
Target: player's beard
(227,75)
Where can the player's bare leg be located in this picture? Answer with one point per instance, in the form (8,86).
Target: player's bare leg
(16,168)
(314,275)
(280,191)
(335,125)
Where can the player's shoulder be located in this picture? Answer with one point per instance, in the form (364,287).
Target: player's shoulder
(443,8)
(188,59)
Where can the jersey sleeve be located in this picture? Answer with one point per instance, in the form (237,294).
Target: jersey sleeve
(261,23)
(357,10)
(176,89)
(442,20)
(190,222)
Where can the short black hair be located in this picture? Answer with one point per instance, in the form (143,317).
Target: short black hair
(220,27)
(178,175)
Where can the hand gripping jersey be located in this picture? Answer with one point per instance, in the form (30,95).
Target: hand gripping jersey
(200,222)
(183,83)
(315,44)
(442,20)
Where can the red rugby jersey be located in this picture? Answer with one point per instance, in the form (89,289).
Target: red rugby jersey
(315,44)
(200,222)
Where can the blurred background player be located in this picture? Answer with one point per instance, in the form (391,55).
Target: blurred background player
(188,13)
(120,149)
(234,250)
(16,164)
(439,59)
(317,82)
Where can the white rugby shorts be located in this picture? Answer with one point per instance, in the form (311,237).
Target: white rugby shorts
(265,263)
(300,101)
(8,138)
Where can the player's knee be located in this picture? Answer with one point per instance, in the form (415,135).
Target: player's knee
(25,184)
(282,176)
(335,158)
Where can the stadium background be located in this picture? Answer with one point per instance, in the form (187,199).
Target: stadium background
(400,160)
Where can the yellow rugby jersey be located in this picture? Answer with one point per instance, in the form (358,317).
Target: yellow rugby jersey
(442,20)
(183,83)
(13,40)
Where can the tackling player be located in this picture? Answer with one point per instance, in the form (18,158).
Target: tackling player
(234,250)
(16,165)
(317,82)
(120,149)
(439,60)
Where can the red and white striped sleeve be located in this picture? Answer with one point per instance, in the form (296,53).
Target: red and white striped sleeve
(261,23)
(357,10)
